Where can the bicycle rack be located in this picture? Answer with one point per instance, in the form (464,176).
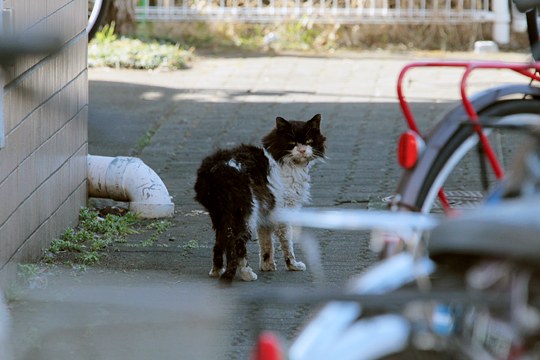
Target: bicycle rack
(529,70)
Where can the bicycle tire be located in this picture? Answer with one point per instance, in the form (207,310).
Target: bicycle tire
(462,142)
(96,16)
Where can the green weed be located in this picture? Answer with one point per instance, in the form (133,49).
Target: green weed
(96,235)
(160,226)
(148,242)
(191,245)
(106,35)
(85,243)
(89,258)
(27,271)
(107,50)
(60,245)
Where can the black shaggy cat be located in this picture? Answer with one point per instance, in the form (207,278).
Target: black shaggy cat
(242,188)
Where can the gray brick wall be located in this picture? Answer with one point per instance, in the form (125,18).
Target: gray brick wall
(43,163)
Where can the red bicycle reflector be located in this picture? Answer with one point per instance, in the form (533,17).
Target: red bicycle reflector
(267,348)
(409,148)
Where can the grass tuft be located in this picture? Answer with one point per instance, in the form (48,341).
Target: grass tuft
(85,243)
(99,234)
(108,50)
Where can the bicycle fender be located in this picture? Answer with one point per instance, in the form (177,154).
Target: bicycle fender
(408,187)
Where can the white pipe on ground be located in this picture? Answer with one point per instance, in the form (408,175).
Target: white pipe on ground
(129,179)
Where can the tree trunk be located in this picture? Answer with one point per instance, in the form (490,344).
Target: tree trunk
(122,12)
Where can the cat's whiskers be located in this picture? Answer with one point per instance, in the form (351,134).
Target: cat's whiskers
(319,154)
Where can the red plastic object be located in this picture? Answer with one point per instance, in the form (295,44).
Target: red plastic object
(268,347)
(409,148)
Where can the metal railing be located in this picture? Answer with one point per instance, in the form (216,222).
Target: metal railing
(331,11)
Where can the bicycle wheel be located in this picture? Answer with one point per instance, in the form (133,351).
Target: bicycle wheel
(96,12)
(461,168)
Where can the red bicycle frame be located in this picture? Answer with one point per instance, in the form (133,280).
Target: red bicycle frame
(527,69)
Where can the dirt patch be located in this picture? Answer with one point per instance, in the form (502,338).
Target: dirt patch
(219,37)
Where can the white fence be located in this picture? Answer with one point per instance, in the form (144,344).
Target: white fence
(334,11)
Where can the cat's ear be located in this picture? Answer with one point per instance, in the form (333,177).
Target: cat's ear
(315,121)
(282,124)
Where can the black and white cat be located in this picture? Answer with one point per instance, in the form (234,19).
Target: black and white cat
(242,188)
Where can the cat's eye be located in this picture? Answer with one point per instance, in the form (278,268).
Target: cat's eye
(292,143)
(309,142)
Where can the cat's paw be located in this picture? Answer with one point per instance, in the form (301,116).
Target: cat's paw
(294,265)
(268,266)
(247,274)
(215,272)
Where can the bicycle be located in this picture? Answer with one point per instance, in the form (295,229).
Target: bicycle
(97,10)
(461,289)
(429,159)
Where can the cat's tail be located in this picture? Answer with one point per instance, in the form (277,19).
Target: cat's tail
(210,178)
(220,188)
(205,189)
(201,193)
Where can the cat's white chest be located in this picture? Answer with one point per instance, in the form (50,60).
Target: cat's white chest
(289,184)
(295,185)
